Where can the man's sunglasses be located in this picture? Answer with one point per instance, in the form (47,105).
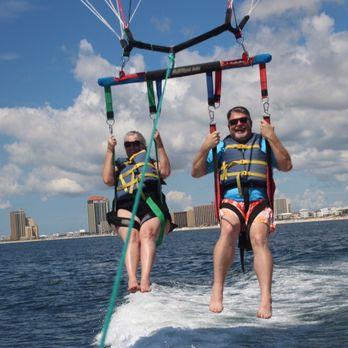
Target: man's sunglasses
(242,120)
(135,143)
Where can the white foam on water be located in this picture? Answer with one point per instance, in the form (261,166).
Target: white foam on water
(298,294)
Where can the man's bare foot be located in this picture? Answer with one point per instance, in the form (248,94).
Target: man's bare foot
(215,304)
(145,285)
(265,311)
(133,286)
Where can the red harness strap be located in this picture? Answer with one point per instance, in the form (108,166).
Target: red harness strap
(267,117)
(217,190)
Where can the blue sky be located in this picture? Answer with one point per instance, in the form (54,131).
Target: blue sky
(52,130)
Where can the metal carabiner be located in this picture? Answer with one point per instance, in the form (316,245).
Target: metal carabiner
(111,123)
(211,111)
(265,105)
(124,61)
(240,41)
(152,116)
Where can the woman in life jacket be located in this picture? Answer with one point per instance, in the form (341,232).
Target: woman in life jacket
(153,217)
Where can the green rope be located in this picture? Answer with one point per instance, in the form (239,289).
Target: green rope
(118,277)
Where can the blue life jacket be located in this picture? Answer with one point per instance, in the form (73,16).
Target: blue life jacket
(129,175)
(243,165)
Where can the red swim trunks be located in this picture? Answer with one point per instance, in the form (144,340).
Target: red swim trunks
(265,216)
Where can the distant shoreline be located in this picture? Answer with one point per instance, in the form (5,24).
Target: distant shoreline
(182,229)
(277,222)
(49,238)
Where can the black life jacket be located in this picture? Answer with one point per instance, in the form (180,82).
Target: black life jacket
(129,175)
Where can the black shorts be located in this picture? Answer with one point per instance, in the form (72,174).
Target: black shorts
(144,212)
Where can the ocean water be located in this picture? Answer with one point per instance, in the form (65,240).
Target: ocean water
(56,293)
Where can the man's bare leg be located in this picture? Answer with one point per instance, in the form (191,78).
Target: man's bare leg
(223,257)
(133,252)
(263,265)
(148,235)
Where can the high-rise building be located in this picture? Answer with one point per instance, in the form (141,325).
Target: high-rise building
(180,218)
(32,229)
(97,207)
(191,218)
(17,223)
(281,206)
(205,215)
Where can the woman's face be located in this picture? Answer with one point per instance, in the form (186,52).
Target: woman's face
(133,144)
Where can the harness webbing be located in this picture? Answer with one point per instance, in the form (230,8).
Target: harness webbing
(108,103)
(214,94)
(118,277)
(151,97)
(158,212)
(267,117)
(217,189)
(217,93)
(151,94)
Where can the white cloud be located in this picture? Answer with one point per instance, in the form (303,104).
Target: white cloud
(311,199)
(9,184)
(11,9)
(161,24)
(179,200)
(4,204)
(9,56)
(271,8)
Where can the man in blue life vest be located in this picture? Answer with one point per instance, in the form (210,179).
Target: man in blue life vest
(242,165)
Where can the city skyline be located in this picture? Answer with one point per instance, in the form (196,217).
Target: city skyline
(101,205)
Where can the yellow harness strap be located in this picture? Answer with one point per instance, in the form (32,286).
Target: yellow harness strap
(242,146)
(225,166)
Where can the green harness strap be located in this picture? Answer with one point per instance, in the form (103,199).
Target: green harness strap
(151,97)
(108,103)
(159,213)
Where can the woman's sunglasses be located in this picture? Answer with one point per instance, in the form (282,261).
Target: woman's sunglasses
(242,120)
(135,143)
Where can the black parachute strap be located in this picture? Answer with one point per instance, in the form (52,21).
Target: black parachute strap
(128,43)
(244,242)
(242,234)
(118,221)
(256,211)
